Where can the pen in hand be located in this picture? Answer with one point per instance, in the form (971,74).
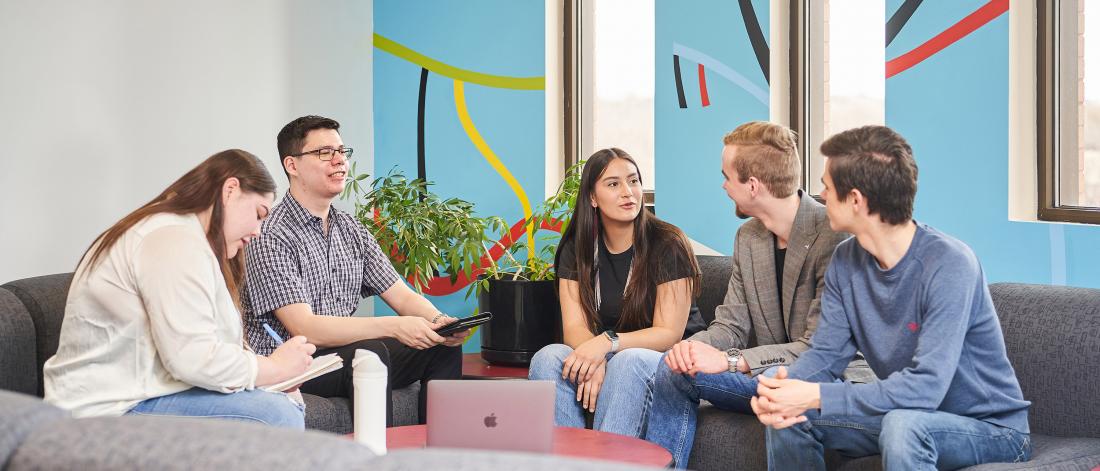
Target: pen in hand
(271,332)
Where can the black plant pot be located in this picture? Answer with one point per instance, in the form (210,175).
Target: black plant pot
(526,317)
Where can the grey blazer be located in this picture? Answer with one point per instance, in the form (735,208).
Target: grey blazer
(751,315)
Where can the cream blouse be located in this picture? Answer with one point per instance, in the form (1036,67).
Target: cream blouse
(152,318)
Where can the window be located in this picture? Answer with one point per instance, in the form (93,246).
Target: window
(614,76)
(838,80)
(1069,110)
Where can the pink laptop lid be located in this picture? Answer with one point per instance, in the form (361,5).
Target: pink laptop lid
(513,415)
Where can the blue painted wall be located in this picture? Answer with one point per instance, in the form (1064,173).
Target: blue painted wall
(500,37)
(688,141)
(953,109)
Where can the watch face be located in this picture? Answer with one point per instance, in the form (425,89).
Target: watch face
(733,352)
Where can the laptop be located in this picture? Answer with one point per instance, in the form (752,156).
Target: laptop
(511,415)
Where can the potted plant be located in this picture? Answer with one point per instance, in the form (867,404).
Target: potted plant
(520,288)
(423,234)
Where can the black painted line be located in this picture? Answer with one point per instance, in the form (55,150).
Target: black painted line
(900,18)
(756,37)
(679,82)
(421,165)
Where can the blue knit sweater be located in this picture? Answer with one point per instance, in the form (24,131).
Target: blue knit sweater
(928,329)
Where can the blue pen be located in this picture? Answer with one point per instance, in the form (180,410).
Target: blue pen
(271,332)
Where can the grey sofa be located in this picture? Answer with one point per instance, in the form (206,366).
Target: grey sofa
(31,311)
(38,436)
(1052,334)
(1053,339)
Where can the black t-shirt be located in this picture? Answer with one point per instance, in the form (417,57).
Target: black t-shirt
(780,259)
(613,277)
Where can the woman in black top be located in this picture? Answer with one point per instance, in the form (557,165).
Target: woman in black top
(626,283)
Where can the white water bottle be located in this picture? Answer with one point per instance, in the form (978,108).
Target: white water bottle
(369,376)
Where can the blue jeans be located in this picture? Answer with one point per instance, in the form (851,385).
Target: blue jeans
(256,405)
(675,400)
(906,439)
(620,405)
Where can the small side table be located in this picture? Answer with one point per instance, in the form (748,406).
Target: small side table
(475,367)
(568,441)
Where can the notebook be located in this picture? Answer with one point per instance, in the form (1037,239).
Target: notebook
(320,366)
(495,415)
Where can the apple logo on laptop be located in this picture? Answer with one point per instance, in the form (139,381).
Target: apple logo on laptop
(491,420)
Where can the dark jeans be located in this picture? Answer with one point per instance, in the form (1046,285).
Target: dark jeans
(404,364)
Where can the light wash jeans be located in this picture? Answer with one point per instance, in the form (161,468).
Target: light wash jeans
(907,440)
(675,400)
(270,408)
(620,405)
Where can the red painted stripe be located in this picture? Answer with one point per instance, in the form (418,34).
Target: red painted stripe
(703,87)
(967,25)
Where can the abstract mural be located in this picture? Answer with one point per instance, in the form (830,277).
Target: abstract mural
(459,100)
(726,42)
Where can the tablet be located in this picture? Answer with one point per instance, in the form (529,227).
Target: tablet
(465,323)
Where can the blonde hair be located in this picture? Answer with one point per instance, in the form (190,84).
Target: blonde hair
(767,151)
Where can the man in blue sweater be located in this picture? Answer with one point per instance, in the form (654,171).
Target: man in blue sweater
(914,301)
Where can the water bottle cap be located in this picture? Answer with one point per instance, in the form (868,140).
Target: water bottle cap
(367,363)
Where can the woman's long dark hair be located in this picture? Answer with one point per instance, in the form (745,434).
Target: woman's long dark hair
(653,239)
(194,192)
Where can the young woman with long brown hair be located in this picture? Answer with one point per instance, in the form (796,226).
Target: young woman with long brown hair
(152,324)
(626,283)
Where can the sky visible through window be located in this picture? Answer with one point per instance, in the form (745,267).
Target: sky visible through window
(1090,114)
(855,71)
(623,80)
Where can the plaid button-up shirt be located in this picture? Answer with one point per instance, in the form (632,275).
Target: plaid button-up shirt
(294,261)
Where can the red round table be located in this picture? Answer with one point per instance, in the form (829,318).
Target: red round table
(568,441)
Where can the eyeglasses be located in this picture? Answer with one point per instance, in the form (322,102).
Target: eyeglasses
(327,153)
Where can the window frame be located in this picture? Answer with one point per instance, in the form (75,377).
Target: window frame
(573,81)
(1051,118)
(808,111)
(800,67)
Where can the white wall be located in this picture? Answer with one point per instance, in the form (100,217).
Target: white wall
(105,103)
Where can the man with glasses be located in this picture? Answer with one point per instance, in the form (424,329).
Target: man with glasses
(307,273)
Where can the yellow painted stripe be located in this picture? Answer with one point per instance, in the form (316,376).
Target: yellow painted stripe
(479,142)
(488,80)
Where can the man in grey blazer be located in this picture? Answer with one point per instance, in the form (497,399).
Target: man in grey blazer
(768,314)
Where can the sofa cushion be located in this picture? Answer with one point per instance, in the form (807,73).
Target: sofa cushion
(44,298)
(1047,454)
(20,415)
(18,361)
(329,414)
(333,414)
(406,405)
(716,276)
(172,443)
(1054,454)
(1053,339)
(727,440)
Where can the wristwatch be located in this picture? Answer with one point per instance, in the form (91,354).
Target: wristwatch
(614,338)
(733,356)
